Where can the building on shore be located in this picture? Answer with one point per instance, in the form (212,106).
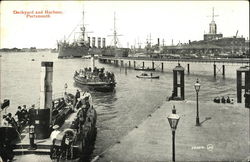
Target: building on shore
(213,44)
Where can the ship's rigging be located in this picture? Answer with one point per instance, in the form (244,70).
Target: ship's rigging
(115,35)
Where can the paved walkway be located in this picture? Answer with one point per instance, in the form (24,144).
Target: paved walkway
(223,136)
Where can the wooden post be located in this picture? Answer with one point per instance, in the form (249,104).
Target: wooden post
(223,70)
(153,65)
(188,68)
(214,70)
(134,64)
(162,66)
(143,64)
(126,68)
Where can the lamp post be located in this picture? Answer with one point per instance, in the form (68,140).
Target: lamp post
(173,121)
(197,89)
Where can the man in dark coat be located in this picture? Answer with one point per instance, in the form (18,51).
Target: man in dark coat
(77,96)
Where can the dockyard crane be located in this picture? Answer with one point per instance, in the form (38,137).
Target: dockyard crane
(236,34)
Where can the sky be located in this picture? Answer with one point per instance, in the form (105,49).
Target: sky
(179,21)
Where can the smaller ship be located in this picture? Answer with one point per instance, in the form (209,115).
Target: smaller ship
(146,76)
(95,78)
(145,69)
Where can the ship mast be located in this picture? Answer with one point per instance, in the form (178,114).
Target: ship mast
(83,28)
(115,36)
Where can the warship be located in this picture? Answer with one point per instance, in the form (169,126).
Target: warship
(82,47)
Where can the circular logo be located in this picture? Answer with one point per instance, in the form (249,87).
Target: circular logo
(210,147)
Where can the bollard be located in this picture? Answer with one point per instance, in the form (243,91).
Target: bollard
(121,63)
(143,64)
(126,68)
(214,70)
(223,70)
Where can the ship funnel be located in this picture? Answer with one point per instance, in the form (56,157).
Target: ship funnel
(41,117)
(99,42)
(93,41)
(46,85)
(103,42)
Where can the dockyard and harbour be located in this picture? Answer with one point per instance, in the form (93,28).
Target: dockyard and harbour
(116,119)
(90,101)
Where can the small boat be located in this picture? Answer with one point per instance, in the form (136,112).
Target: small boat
(146,76)
(145,69)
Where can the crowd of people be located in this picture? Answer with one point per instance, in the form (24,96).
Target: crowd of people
(97,74)
(22,115)
(223,100)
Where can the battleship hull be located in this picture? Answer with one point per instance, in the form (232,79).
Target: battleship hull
(72,52)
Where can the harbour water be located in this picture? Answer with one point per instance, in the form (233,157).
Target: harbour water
(119,111)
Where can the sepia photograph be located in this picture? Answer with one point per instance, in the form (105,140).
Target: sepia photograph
(124,81)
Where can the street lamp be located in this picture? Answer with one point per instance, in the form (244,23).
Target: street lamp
(197,89)
(173,121)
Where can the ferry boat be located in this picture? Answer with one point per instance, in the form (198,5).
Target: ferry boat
(95,79)
(63,128)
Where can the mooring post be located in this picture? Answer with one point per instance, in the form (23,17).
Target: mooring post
(134,64)
(188,69)
(153,65)
(143,64)
(214,70)
(126,68)
(121,63)
(223,70)
(239,86)
(162,66)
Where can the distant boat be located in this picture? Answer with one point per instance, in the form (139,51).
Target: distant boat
(146,76)
(145,69)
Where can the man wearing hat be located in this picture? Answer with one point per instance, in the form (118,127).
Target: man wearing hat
(55,132)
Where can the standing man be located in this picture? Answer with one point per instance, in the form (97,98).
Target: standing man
(77,96)
(25,114)
(19,114)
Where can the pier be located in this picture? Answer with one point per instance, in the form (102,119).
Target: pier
(217,65)
(217,139)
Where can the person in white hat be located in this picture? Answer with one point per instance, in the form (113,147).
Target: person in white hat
(55,132)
